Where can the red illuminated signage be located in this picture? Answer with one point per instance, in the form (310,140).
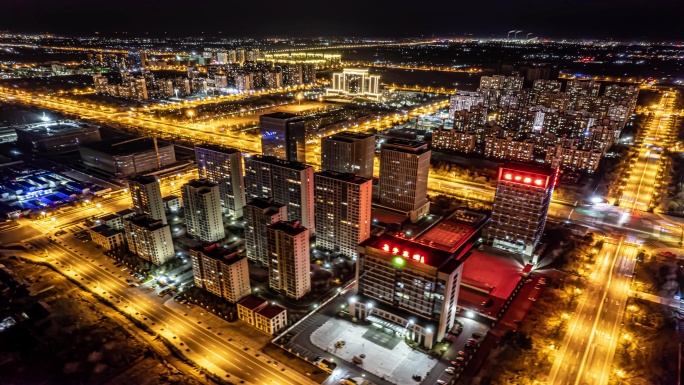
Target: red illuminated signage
(524,178)
(403,253)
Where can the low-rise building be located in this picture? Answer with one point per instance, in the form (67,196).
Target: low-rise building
(262,315)
(108,238)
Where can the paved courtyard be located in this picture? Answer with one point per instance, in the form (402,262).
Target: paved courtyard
(387,356)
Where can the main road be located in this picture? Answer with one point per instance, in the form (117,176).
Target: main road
(586,354)
(638,192)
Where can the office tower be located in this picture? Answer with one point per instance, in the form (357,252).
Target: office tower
(403,176)
(223,166)
(202,205)
(343,211)
(288,258)
(355,82)
(414,283)
(220,271)
(521,203)
(260,213)
(146,196)
(282,136)
(149,238)
(348,152)
(288,183)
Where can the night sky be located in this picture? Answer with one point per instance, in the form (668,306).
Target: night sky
(619,19)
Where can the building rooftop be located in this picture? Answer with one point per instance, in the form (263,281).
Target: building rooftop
(443,246)
(125,212)
(216,148)
(49,129)
(143,179)
(109,217)
(450,233)
(265,203)
(524,167)
(201,183)
(251,302)
(413,146)
(270,311)
(105,230)
(215,251)
(170,198)
(272,160)
(291,228)
(146,222)
(343,176)
(117,147)
(348,136)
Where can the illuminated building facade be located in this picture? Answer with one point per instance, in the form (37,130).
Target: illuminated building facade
(288,258)
(403,176)
(509,149)
(282,136)
(343,211)
(521,203)
(203,218)
(413,285)
(223,166)
(355,82)
(348,152)
(288,183)
(149,238)
(221,272)
(260,213)
(146,196)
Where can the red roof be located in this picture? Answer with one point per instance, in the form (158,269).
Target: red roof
(252,302)
(270,311)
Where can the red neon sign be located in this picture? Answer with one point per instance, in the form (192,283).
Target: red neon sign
(404,253)
(524,178)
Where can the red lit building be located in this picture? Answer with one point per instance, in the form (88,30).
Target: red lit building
(521,203)
(411,286)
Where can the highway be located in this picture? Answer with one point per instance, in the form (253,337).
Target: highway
(638,192)
(586,354)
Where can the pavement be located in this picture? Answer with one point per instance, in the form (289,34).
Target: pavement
(395,362)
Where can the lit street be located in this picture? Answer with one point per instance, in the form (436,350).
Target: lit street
(587,351)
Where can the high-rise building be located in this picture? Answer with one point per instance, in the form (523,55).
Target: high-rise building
(288,183)
(202,205)
(521,203)
(343,211)
(149,238)
(146,196)
(403,180)
(414,284)
(223,166)
(355,82)
(289,258)
(282,136)
(260,213)
(221,272)
(348,152)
